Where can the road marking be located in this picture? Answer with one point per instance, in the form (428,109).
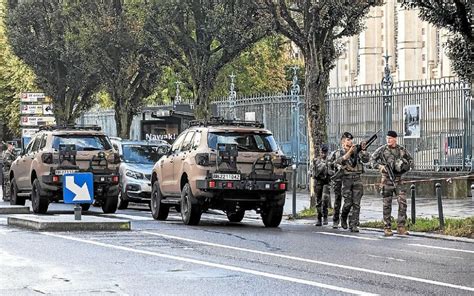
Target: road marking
(441,248)
(131,217)
(216,265)
(389,258)
(3,219)
(346,235)
(405,277)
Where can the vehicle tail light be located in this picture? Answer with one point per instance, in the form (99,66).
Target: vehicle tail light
(116,158)
(55,179)
(282,186)
(202,159)
(229,185)
(212,184)
(47,158)
(115,179)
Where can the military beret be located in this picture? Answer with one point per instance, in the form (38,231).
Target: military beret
(392,134)
(324,148)
(347,135)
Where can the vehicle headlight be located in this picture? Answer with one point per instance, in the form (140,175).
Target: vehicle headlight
(134,175)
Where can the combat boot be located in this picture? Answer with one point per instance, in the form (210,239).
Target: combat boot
(401,230)
(344,223)
(387,232)
(325,221)
(354,229)
(335,224)
(319,223)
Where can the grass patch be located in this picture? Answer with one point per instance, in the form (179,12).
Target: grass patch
(452,226)
(311,213)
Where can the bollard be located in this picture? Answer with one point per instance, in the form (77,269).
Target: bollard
(472,192)
(77,212)
(294,190)
(413,213)
(440,206)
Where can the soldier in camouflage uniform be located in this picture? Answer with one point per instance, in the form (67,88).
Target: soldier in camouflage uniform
(351,164)
(8,157)
(395,157)
(337,186)
(321,178)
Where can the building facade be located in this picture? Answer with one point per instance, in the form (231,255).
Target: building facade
(416,49)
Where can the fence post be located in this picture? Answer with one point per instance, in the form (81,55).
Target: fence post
(440,206)
(413,213)
(294,167)
(472,192)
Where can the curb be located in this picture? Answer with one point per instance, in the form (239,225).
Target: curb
(429,235)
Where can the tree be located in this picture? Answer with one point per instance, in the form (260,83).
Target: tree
(316,27)
(203,36)
(457,17)
(112,35)
(15,77)
(44,35)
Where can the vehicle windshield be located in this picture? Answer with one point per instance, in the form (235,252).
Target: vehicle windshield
(144,154)
(245,141)
(83,142)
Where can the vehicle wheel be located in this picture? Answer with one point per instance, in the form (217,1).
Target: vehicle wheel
(190,208)
(177,208)
(159,211)
(38,203)
(235,216)
(109,206)
(15,200)
(5,190)
(85,207)
(121,204)
(272,216)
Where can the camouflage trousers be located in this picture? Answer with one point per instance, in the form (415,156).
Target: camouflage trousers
(321,189)
(6,186)
(388,190)
(352,191)
(337,187)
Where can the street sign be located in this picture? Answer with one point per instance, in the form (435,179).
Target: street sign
(43,109)
(34,98)
(28,132)
(78,188)
(36,120)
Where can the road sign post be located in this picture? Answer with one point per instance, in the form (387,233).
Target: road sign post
(78,188)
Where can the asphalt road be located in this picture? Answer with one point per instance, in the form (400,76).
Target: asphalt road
(222,258)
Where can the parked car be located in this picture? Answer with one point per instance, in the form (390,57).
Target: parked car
(37,174)
(232,166)
(138,158)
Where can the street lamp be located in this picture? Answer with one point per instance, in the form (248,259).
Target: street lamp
(387,85)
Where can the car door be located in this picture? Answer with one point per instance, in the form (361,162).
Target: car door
(179,161)
(166,166)
(23,174)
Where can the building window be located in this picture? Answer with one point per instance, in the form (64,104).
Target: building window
(423,43)
(423,57)
(422,31)
(423,70)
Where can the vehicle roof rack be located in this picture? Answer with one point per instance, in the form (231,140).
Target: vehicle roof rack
(214,121)
(69,127)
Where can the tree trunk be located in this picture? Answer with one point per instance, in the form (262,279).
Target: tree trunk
(123,119)
(316,83)
(203,91)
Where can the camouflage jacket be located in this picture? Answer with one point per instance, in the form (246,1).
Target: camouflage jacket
(354,165)
(321,169)
(397,158)
(8,158)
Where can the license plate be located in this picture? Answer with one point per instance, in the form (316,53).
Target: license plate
(233,177)
(63,172)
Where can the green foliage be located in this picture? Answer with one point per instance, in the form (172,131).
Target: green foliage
(453,226)
(44,34)
(201,37)
(311,213)
(15,77)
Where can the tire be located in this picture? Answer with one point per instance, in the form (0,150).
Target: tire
(235,216)
(109,206)
(15,200)
(85,207)
(121,204)
(177,208)
(159,211)
(38,203)
(272,216)
(190,208)
(5,190)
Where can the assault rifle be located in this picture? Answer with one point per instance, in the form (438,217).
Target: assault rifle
(388,169)
(369,142)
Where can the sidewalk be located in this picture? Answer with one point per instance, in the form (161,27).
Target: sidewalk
(371,206)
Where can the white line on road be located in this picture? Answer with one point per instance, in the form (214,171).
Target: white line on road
(389,258)
(216,265)
(346,235)
(410,278)
(441,248)
(131,217)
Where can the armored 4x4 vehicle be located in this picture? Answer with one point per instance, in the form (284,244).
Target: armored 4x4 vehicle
(57,150)
(232,166)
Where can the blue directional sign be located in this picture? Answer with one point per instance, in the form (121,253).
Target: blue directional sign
(78,188)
